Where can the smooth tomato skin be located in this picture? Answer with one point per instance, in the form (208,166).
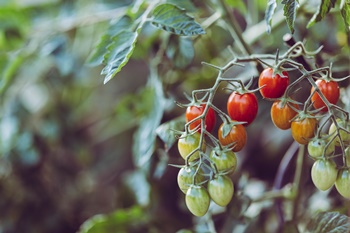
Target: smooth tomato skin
(342,184)
(303,130)
(345,137)
(317,146)
(197,200)
(224,160)
(221,190)
(188,143)
(329,89)
(193,112)
(281,116)
(272,86)
(185,177)
(324,173)
(347,155)
(242,107)
(237,135)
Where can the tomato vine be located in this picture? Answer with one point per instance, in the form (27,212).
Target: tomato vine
(306,125)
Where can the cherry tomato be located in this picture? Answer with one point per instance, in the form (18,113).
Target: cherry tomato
(330,89)
(188,143)
(185,177)
(282,115)
(342,184)
(197,200)
(343,134)
(221,190)
(273,86)
(324,173)
(193,112)
(347,155)
(303,129)
(242,107)
(237,135)
(317,147)
(225,160)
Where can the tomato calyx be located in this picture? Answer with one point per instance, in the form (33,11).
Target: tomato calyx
(228,125)
(240,88)
(321,146)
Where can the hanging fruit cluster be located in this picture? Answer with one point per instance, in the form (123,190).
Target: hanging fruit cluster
(211,158)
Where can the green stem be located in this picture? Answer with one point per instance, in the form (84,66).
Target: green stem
(235,29)
(297,178)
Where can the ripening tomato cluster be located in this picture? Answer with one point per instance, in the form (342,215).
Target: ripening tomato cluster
(205,178)
(324,172)
(199,187)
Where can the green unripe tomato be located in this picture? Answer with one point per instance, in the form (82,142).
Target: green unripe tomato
(342,184)
(317,146)
(188,143)
(347,155)
(324,173)
(221,190)
(197,200)
(343,134)
(185,177)
(225,160)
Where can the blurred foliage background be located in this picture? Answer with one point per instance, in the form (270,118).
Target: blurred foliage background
(73,149)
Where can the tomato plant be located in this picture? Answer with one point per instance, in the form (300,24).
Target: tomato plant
(318,146)
(185,177)
(197,200)
(282,114)
(236,136)
(347,155)
(324,173)
(342,184)
(224,160)
(188,143)
(330,90)
(193,111)
(345,136)
(221,190)
(273,85)
(303,129)
(242,107)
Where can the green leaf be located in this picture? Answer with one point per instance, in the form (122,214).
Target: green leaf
(329,222)
(180,50)
(115,48)
(290,8)
(138,184)
(270,10)
(121,220)
(175,20)
(97,56)
(188,5)
(166,131)
(322,10)
(119,53)
(345,13)
(145,136)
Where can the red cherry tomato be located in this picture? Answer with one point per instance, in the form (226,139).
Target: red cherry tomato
(242,107)
(273,86)
(303,130)
(237,136)
(330,89)
(193,112)
(282,115)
